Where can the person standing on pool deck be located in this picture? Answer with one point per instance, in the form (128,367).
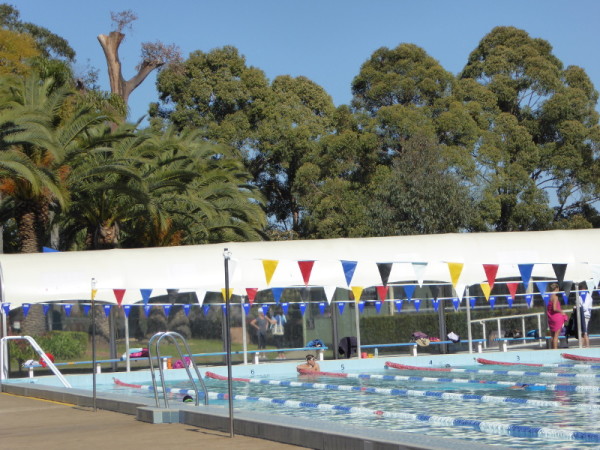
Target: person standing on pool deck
(585,313)
(311,365)
(556,318)
(261,323)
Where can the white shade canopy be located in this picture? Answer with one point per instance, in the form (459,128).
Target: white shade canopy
(65,276)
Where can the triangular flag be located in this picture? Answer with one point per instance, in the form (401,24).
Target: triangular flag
(145,295)
(361,306)
(409,291)
(200,296)
(525,270)
(205,309)
(269,265)
(284,307)
(398,305)
(512,289)
(26,307)
(357,291)
(119,293)
(455,303)
(583,295)
(224,309)
(167,309)
(559,271)
(378,306)
(86,309)
(542,286)
(226,295)
(349,267)
(94,292)
(455,271)
(247,308)
(491,270)
(546,298)
(436,304)
(329,293)
(322,307)
(417,304)
(107,310)
(49,250)
(68,309)
(472,302)
(126,310)
(590,285)
(460,290)
(251,294)
(186,309)
(277,294)
(382,292)
(302,308)
(419,269)
(341,306)
(492,302)
(384,272)
(565,298)
(486,289)
(265,308)
(528,299)
(509,301)
(147,309)
(306,269)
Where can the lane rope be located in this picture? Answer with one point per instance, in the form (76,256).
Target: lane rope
(490,427)
(563,365)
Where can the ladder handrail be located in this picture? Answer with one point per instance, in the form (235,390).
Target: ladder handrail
(39,351)
(172,335)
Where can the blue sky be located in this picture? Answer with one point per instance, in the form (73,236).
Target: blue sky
(326,41)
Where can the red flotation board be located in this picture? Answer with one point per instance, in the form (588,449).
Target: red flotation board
(579,357)
(404,367)
(500,363)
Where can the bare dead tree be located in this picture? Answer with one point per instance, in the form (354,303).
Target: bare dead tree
(153,56)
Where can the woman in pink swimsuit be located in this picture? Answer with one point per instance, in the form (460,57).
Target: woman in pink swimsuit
(556,318)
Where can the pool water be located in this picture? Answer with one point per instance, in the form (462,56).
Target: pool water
(577,411)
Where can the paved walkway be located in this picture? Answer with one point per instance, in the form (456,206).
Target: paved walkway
(28,423)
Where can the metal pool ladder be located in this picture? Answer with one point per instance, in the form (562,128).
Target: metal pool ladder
(173,336)
(37,348)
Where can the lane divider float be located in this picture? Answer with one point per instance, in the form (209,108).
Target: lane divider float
(564,365)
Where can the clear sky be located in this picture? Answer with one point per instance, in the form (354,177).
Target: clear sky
(326,40)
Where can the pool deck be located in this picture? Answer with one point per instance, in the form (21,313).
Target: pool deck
(29,423)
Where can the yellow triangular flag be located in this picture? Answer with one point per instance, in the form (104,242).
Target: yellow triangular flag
(455,271)
(269,265)
(485,287)
(223,293)
(94,292)
(357,291)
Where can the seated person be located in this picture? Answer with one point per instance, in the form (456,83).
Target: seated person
(311,365)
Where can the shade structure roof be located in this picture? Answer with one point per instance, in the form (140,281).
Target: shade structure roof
(67,276)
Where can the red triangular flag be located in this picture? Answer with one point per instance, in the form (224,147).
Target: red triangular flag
(251,294)
(490,272)
(119,293)
(512,288)
(306,269)
(382,292)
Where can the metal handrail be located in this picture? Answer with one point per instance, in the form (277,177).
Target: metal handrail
(38,349)
(158,337)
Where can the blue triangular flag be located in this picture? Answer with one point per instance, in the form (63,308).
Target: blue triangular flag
(146,295)
(361,306)
(6,308)
(322,307)
(26,307)
(167,309)
(455,303)
(186,309)
(265,308)
(247,308)
(277,291)
(472,302)
(541,285)
(205,309)
(398,305)
(107,310)
(68,309)
(284,307)
(565,297)
(127,310)
(525,270)
(436,304)
(48,250)
(147,309)
(341,306)
(349,267)
(409,290)
(417,304)
(492,302)
(302,308)
(224,308)
(583,295)
(86,309)
(46,308)
(528,299)
(378,306)
(509,301)
(546,298)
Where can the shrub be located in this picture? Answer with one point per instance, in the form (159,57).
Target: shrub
(64,344)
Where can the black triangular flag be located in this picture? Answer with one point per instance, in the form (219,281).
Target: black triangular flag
(559,271)
(384,272)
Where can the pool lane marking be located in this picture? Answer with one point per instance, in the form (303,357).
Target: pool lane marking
(493,372)
(563,365)
(410,393)
(489,427)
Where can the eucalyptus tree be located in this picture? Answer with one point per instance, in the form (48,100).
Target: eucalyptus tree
(539,153)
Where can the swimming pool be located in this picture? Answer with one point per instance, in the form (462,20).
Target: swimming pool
(464,401)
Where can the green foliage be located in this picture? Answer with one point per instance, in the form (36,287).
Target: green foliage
(64,344)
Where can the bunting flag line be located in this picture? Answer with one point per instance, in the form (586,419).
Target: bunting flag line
(94,292)
(302,308)
(107,310)
(269,266)
(382,292)
(492,302)
(419,270)
(277,294)
(200,295)
(119,293)
(68,307)
(525,270)
(542,286)
(436,304)
(306,269)
(329,293)
(86,309)
(45,309)
(491,270)
(512,289)
(546,298)
(167,309)
(559,271)
(265,308)
(486,289)
(126,310)
(456,303)
(472,302)
(455,271)
(409,291)
(224,309)
(384,272)
(357,292)
(147,309)
(361,306)
(26,307)
(246,307)
(378,306)
(322,308)
(398,304)
(528,299)
(205,309)
(341,306)
(145,295)
(251,292)
(349,267)
(186,309)
(417,303)
(226,295)
(284,307)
